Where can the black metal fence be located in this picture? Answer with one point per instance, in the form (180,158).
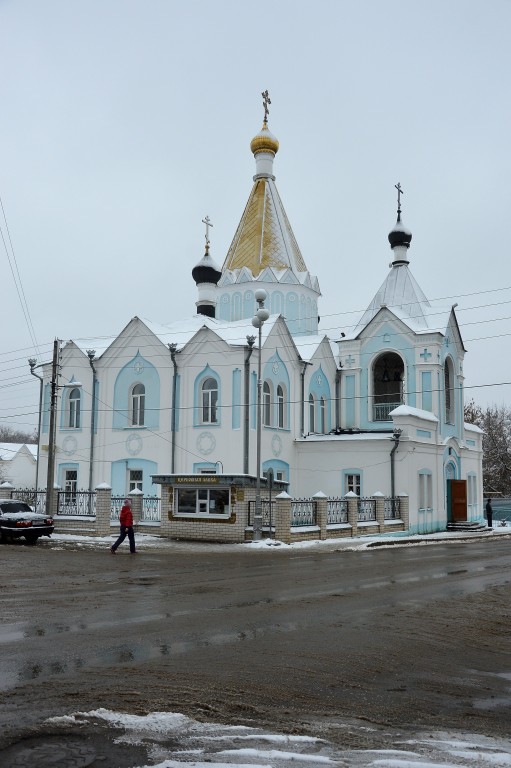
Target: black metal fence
(76,503)
(303,513)
(392,509)
(36,499)
(337,511)
(267,513)
(366,510)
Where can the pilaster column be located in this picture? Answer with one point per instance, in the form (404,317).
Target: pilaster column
(167,506)
(136,497)
(352,499)
(404,509)
(283,517)
(103,506)
(321,513)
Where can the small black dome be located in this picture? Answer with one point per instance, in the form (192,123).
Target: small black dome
(206,271)
(399,235)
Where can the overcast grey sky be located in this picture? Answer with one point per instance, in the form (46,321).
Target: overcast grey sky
(125,122)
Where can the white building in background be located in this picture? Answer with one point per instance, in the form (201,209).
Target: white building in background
(18,464)
(380,410)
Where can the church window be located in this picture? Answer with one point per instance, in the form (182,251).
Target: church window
(138,405)
(322,416)
(266,404)
(449,391)
(425,491)
(74,408)
(312,414)
(135,480)
(388,385)
(280,407)
(210,401)
(352,483)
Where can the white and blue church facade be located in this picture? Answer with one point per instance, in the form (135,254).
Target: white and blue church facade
(379,411)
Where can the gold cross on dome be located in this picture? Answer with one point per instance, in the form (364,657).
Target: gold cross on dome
(266,102)
(207,222)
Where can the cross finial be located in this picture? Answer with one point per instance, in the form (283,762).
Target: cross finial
(399,193)
(266,102)
(208,224)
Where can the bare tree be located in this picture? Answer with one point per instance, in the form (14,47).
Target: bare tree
(495,421)
(9,435)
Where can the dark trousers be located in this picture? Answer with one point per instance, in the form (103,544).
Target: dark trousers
(130,533)
(489,516)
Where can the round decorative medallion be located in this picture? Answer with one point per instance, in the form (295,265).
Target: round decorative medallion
(69,445)
(275,367)
(138,367)
(206,443)
(134,444)
(276,445)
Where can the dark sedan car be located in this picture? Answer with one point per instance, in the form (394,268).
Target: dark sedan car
(19,519)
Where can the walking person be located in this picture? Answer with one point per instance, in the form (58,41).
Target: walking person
(126,525)
(489,513)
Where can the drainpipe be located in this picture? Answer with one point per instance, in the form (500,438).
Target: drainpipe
(246,414)
(395,439)
(173,350)
(32,363)
(91,354)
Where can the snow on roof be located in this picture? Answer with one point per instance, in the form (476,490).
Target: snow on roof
(308,345)
(347,437)
(407,410)
(9,451)
(235,333)
(473,428)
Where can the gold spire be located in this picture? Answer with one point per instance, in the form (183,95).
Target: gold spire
(265,141)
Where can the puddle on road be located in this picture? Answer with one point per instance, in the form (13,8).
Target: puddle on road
(12,672)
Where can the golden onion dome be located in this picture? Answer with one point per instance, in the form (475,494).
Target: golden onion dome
(264,141)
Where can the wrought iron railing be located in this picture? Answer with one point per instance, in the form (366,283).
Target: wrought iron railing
(337,511)
(392,509)
(366,510)
(116,503)
(381,411)
(267,513)
(76,503)
(151,509)
(303,512)
(36,499)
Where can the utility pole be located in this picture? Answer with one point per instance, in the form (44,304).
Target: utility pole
(50,480)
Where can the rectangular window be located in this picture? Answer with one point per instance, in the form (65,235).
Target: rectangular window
(353,484)
(202,502)
(425,492)
(135,480)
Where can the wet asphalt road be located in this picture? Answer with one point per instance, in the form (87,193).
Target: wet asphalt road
(301,640)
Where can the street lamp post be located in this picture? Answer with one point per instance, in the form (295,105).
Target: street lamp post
(258,321)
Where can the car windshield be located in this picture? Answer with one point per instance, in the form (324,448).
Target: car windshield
(14,506)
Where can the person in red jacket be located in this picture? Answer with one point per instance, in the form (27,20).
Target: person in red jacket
(126,524)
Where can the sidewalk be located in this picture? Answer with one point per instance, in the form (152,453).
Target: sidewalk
(147,543)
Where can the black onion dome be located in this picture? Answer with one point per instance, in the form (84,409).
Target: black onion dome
(206,271)
(400,235)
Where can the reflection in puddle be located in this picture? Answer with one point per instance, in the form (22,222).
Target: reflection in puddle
(11,673)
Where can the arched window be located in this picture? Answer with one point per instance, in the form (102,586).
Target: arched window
(266,404)
(388,385)
(280,407)
(74,408)
(312,414)
(449,391)
(209,401)
(138,405)
(322,416)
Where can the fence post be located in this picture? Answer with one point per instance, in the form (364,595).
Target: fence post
(136,497)
(103,506)
(7,489)
(55,501)
(380,509)
(321,513)
(167,507)
(404,509)
(352,499)
(283,517)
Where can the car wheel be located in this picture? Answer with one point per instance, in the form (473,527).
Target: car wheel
(4,538)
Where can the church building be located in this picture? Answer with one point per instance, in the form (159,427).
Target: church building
(379,410)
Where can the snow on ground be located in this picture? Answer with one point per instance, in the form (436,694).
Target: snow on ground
(147,542)
(210,745)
